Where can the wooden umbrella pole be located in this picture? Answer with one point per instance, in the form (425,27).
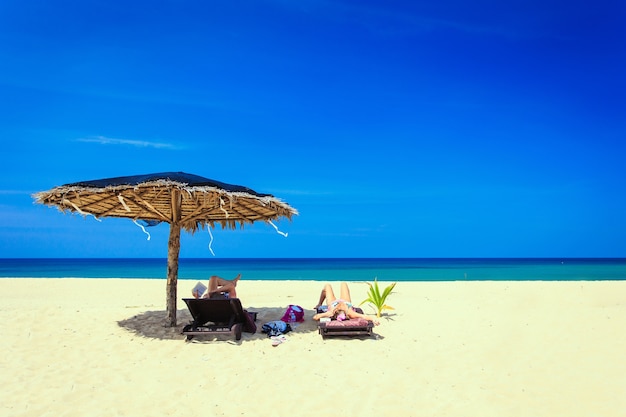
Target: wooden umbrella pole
(173,252)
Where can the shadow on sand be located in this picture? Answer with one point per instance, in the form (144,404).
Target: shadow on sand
(152,324)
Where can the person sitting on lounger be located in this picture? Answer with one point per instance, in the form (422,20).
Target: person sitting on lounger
(339,308)
(219,285)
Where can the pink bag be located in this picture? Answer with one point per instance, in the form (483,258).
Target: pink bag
(293,314)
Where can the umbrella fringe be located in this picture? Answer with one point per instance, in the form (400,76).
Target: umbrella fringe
(79,211)
(211,241)
(222,207)
(142,228)
(277,231)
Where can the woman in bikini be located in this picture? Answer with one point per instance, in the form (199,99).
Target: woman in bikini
(339,308)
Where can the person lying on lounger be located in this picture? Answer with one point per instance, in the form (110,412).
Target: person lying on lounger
(218,285)
(339,308)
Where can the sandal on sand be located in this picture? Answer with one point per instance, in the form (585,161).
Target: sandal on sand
(277,340)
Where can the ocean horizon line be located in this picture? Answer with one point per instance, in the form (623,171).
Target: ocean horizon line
(324,269)
(336,257)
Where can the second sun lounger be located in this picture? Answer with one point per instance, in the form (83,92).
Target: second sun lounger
(351,327)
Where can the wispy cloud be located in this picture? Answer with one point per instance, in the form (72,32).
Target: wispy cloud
(103,140)
(396,21)
(15,192)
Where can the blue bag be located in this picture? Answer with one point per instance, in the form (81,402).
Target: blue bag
(276,328)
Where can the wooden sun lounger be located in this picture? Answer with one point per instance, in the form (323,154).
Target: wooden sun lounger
(350,327)
(212,316)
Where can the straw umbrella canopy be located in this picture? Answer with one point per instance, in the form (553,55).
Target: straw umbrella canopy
(185,201)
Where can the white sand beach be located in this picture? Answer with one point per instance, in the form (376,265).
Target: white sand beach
(98,347)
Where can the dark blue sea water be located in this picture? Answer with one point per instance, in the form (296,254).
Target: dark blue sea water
(327,269)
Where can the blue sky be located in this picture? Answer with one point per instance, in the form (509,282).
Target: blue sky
(396,128)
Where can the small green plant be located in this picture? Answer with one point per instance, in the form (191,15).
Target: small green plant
(377,299)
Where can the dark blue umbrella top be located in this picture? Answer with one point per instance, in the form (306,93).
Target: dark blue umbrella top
(179,177)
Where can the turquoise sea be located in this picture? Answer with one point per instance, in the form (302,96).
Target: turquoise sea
(328,269)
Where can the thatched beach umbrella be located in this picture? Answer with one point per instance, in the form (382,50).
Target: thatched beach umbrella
(185,201)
